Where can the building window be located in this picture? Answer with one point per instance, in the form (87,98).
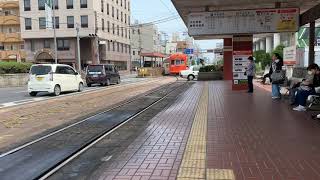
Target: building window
(117,1)
(57,22)
(69,4)
(63,45)
(108,9)
(121,3)
(117,13)
(122,32)
(83,4)
(113,46)
(122,49)
(102,24)
(108,45)
(27,5)
(56,4)
(42,23)
(28,23)
(129,19)
(102,5)
(121,16)
(70,21)
(128,6)
(112,11)
(125,18)
(108,26)
(126,33)
(118,30)
(32,45)
(46,44)
(125,4)
(41,4)
(134,53)
(113,28)
(84,21)
(118,47)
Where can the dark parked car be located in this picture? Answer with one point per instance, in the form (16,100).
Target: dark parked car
(103,74)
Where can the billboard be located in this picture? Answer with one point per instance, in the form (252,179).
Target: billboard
(244,22)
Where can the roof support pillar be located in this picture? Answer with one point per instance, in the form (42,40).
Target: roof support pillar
(311,42)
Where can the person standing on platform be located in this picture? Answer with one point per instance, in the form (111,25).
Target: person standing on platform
(250,72)
(276,66)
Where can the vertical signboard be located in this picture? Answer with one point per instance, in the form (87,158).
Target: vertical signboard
(48,11)
(290,55)
(242,49)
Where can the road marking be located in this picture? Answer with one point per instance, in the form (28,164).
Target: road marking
(38,99)
(18,92)
(8,104)
(27,101)
(107,158)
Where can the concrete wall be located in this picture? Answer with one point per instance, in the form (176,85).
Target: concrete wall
(13,80)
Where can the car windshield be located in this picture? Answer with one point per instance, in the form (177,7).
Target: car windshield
(95,69)
(40,70)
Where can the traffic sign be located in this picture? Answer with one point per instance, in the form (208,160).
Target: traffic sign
(188,51)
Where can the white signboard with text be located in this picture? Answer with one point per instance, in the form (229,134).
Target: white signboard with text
(244,21)
(290,55)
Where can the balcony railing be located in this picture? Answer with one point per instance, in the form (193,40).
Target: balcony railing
(9,20)
(10,37)
(9,4)
(11,54)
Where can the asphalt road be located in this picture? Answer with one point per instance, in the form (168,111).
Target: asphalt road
(11,96)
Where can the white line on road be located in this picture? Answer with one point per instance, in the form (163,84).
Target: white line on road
(27,101)
(18,92)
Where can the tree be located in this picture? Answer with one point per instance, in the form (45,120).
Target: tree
(279,50)
(193,62)
(263,58)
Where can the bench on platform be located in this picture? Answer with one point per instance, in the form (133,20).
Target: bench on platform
(294,75)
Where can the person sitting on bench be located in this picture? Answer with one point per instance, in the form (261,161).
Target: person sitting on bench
(307,87)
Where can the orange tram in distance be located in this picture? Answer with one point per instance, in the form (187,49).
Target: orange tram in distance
(177,62)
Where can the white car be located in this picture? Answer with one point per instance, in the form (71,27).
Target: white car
(54,78)
(190,73)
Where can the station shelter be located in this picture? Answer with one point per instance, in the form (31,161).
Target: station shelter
(237,23)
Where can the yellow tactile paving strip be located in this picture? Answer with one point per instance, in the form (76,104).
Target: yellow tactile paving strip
(193,164)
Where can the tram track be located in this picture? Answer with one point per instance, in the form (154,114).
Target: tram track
(71,141)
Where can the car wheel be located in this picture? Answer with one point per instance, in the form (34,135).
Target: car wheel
(118,81)
(33,94)
(191,77)
(81,87)
(57,90)
(89,85)
(108,82)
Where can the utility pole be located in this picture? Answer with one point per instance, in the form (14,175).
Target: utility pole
(140,44)
(78,48)
(54,33)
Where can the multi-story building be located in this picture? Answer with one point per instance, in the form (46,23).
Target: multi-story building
(11,44)
(145,39)
(103,29)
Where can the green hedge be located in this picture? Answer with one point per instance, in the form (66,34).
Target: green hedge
(211,68)
(14,67)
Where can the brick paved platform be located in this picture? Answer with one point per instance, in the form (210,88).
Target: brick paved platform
(212,132)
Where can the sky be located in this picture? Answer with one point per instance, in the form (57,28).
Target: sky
(152,10)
